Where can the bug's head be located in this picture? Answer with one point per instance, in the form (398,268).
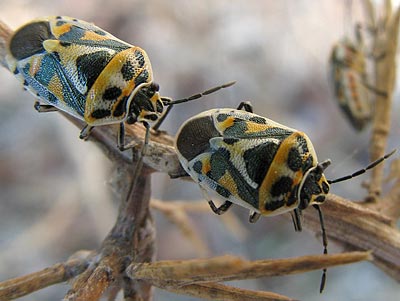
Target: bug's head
(146,104)
(314,186)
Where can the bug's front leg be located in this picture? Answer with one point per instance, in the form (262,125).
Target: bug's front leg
(85,132)
(44,108)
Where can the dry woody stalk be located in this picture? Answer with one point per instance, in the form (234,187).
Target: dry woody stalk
(126,259)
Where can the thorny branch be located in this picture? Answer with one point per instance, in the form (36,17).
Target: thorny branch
(128,250)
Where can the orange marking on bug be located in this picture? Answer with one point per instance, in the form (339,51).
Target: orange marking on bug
(253,127)
(228,182)
(206,166)
(92,36)
(277,169)
(55,86)
(227,123)
(62,29)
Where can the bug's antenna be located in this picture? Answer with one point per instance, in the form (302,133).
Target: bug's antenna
(325,245)
(196,96)
(361,171)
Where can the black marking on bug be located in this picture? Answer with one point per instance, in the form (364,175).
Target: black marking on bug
(128,70)
(325,187)
(112,93)
(16,71)
(293,196)
(65,43)
(140,58)
(90,66)
(258,160)
(121,107)
(194,138)
(231,141)
(198,166)
(28,40)
(282,186)
(101,113)
(274,205)
(294,161)
(218,162)
(152,117)
(222,117)
(223,191)
(258,120)
(142,77)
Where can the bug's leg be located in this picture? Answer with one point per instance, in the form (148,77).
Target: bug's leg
(217,210)
(245,106)
(374,90)
(324,243)
(165,100)
(121,137)
(254,216)
(85,132)
(221,209)
(44,108)
(139,161)
(296,218)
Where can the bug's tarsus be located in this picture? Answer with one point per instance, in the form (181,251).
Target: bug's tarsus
(254,217)
(361,171)
(245,106)
(324,243)
(85,132)
(296,218)
(221,209)
(44,108)
(197,96)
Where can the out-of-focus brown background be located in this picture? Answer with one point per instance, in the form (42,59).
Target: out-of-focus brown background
(54,196)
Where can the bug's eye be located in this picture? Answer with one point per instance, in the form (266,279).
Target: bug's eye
(154,87)
(131,119)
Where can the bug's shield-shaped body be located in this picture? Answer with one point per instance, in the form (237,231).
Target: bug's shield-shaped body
(251,161)
(83,70)
(349,77)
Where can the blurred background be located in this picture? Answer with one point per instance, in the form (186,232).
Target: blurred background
(54,192)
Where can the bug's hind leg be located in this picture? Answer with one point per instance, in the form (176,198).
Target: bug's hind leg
(245,106)
(254,216)
(85,132)
(44,108)
(221,209)
(217,210)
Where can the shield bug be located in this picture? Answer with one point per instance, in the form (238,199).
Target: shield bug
(352,90)
(256,163)
(75,66)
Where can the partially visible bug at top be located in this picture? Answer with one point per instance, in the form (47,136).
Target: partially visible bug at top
(75,66)
(256,163)
(351,82)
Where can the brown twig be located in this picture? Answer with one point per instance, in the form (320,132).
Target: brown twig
(60,272)
(385,46)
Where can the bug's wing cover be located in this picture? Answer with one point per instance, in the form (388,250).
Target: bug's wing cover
(222,169)
(274,157)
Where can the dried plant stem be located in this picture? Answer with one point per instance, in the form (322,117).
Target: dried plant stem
(385,47)
(61,272)
(227,268)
